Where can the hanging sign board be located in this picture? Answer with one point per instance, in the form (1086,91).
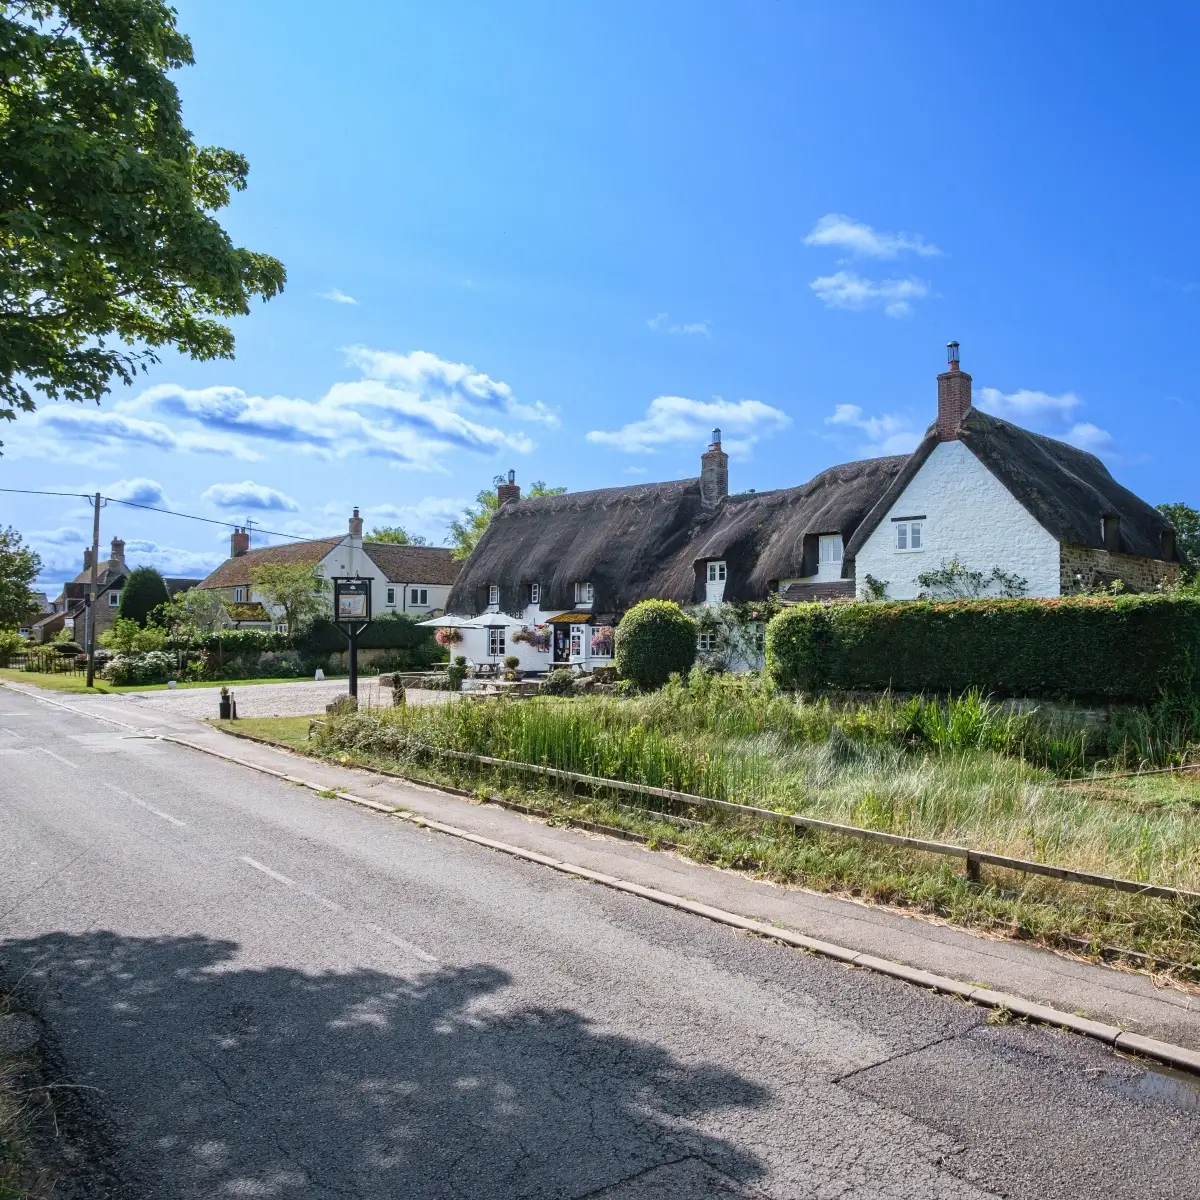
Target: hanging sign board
(352,599)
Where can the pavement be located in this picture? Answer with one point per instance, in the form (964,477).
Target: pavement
(280,994)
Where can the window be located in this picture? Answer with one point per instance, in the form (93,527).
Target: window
(758,636)
(239,595)
(584,593)
(391,597)
(535,594)
(496,643)
(493,594)
(909,534)
(114,598)
(716,572)
(831,547)
(577,640)
(420,597)
(707,641)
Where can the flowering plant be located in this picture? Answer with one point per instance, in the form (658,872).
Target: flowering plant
(448,635)
(602,641)
(538,637)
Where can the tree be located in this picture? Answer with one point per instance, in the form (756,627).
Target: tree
(1187,534)
(189,616)
(144,591)
(465,533)
(108,246)
(396,535)
(298,588)
(655,640)
(19,567)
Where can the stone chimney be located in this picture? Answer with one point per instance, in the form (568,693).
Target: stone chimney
(511,490)
(954,396)
(118,552)
(355,529)
(714,473)
(87,559)
(239,542)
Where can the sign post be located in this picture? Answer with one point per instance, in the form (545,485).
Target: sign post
(352,614)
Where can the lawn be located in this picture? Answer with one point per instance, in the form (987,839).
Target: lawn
(78,683)
(961,772)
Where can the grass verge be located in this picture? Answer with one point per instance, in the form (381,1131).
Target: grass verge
(1154,935)
(78,683)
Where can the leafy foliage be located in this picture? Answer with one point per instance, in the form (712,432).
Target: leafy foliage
(396,535)
(1186,521)
(108,246)
(655,640)
(190,616)
(475,519)
(153,666)
(1125,648)
(954,580)
(128,637)
(298,588)
(19,567)
(560,682)
(144,590)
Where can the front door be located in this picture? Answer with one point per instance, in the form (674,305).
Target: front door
(562,644)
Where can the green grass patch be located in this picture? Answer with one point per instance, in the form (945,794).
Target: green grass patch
(78,683)
(290,732)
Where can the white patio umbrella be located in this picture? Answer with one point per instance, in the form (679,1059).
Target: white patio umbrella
(446,621)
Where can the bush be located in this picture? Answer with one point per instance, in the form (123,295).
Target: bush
(560,682)
(1130,649)
(655,640)
(280,664)
(144,591)
(67,648)
(11,642)
(455,675)
(154,666)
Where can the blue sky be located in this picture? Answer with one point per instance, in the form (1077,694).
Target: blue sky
(569,239)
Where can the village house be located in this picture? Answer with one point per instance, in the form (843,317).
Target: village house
(404,579)
(552,575)
(69,610)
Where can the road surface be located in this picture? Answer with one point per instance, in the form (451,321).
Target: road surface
(277,994)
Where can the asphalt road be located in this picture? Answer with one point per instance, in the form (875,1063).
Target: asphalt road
(276,994)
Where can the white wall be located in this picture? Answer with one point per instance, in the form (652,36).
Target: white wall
(348,559)
(968,512)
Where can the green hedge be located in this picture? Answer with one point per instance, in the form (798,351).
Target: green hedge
(392,632)
(655,640)
(1088,648)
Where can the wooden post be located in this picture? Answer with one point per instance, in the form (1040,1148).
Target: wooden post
(972,869)
(91,601)
(352,660)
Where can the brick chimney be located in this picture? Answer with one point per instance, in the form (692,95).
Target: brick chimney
(87,559)
(239,542)
(355,529)
(714,473)
(511,490)
(954,396)
(118,552)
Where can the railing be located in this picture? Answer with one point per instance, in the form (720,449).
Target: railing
(46,663)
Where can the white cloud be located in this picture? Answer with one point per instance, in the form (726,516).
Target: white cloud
(662,321)
(676,420)
(1092,438)
(337,296)
(845,289)
(137,491)
(171,560)
(886,433)
(248,494)
(862,241)
(1026,405)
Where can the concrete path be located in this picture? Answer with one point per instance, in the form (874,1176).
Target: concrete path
(277,994)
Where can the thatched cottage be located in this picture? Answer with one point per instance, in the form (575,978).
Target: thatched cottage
(557,572)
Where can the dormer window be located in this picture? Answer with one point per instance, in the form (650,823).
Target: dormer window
(831,547)
(493,595)
(716,571)
(584,593)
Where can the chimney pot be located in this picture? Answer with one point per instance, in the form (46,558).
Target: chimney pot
(714,473)
(239,542)
(118,551)
(954,396)
(356,525)
(511,490)
(87,559)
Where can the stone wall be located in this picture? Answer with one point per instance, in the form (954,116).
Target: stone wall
(1083,569)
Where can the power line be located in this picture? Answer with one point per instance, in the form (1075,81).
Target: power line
(167,511)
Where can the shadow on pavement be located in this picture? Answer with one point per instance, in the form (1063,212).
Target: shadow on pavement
(228,1080)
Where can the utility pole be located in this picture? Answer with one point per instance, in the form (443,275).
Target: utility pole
(91,601)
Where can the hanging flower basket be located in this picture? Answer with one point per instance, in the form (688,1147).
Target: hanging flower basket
(448,635)
(602,641)
(537,638)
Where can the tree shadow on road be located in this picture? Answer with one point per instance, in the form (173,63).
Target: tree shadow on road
(229,1080)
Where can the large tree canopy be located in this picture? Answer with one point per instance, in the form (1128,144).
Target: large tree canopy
(19,567)
(108,246)
(1187,532)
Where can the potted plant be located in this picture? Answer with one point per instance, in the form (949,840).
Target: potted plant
(224,706)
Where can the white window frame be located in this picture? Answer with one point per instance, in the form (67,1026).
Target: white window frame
(239,595)
(114,598)
(716,571)
(577,641)
(391,597)
(706,641)
(908,531)
(535,595)
(585,593)
(496,643)
(493,595)
(419,597)
(830,548)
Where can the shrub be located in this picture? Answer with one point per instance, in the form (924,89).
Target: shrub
(144,591)
(654,641)
(154,666)
(11,642)
(1088,648)
(512,662)
(559,682)
(455,674)
(68,648)
(282,664)
(128,637)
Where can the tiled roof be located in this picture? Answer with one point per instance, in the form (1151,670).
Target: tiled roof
(235,572)
(413,564)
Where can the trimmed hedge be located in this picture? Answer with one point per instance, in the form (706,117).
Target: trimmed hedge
(1088,648)
(392,632)
(654,640)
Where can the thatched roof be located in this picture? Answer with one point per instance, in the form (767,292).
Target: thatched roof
(652,540)
(1065,489)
